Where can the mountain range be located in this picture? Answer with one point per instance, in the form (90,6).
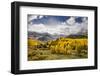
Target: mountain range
(46,36)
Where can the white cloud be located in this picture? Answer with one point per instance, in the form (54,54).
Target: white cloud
(44,28)
(61,28)
(84,19)
(37,28)
(41,16)
(71,21)
(32,17)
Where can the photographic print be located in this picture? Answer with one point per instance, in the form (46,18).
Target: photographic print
(57,37)
(52,37)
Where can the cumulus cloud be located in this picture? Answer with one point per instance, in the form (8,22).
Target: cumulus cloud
(59,29)
(41,28)
(70,26)
(71,21)
(31,17)
(76,27)
(41,16)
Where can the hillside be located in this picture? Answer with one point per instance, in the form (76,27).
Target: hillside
(48,37)
(75,48)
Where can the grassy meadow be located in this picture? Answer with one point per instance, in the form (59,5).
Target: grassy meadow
(61,48)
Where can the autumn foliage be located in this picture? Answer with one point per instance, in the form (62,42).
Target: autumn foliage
(64,46)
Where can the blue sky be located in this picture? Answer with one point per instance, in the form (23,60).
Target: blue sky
(58,19)
(57,24)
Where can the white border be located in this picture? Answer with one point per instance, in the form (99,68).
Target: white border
(26,65)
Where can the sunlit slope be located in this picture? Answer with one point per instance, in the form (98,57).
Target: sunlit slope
(68,46)
(33,42)
(61,45)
